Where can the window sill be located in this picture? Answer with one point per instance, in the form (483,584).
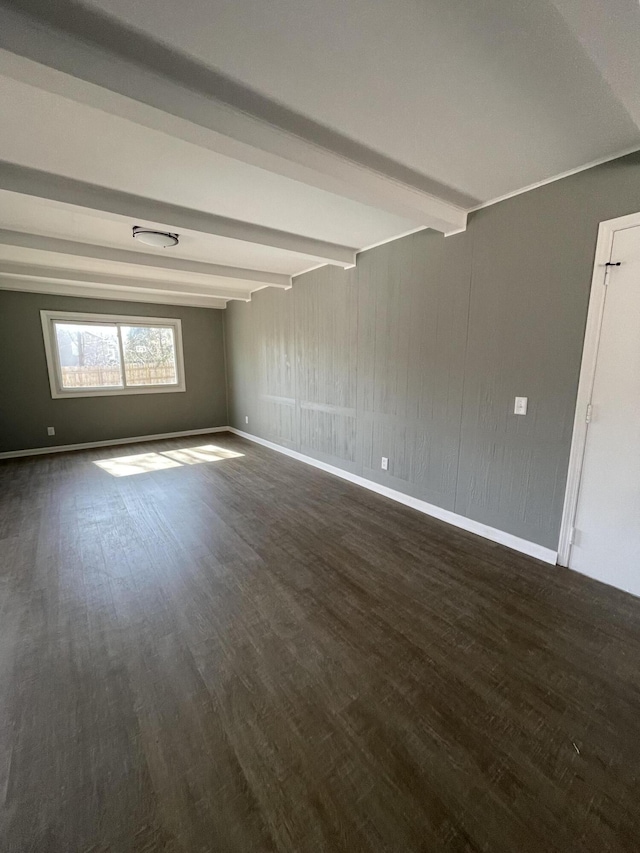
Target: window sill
(115,392)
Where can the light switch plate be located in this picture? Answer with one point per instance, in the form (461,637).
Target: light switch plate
(520,407)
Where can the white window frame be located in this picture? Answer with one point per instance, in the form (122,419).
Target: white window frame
(53,357)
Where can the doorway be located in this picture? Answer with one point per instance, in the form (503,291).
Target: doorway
(601,525)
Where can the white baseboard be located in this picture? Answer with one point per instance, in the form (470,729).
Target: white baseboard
(63,448)
(515,542)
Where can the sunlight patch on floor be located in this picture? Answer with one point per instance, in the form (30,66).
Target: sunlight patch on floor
(144,463)
(207,453)
(140,463)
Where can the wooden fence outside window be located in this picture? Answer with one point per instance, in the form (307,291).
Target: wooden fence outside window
(102,377)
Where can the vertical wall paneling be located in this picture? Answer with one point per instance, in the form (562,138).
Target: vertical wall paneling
(273,337)
(418,353)
(241,371)
(414,296)
(326,329)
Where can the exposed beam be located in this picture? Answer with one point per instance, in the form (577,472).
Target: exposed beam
(26,285)
(162,88)
(34,182)
(108,280)
(21,239)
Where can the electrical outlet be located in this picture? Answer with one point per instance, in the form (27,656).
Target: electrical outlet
(520,407)
(385,463)
(246,419)
(51,430)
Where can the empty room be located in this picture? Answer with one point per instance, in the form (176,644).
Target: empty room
(319,426)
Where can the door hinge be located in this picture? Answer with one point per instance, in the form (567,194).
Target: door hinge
(589,413)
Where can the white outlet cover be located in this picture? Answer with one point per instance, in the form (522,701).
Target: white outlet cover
(51,430)
(385,463)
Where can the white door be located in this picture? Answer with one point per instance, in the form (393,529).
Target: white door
(607,525)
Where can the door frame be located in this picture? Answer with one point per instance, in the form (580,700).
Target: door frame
(606,233)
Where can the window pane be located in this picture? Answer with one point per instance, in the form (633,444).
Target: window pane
(89,355)
(149,355)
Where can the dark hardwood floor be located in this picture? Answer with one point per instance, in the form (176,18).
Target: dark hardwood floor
(252,655)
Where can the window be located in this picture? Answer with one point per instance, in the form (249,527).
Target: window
(91,355)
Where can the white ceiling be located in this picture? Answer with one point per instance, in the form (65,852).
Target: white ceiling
(354,123)
(114,152)
(485,97)
(65,221)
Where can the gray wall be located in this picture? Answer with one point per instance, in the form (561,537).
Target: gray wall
(418,353)
(26,407)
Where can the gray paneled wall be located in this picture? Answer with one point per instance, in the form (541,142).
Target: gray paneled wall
(417,355)
(413,310)
(326,328)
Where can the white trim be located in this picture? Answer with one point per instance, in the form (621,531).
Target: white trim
(310,269)
(58,392)
(607,159)
(515,542)
(604,246)
(111,442)
(400,236)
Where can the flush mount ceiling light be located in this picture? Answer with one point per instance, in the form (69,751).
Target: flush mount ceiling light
(157,239)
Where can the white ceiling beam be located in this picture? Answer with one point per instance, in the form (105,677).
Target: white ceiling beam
(29,270)
(34,182)
(20,239)
(25,285)
(149,83)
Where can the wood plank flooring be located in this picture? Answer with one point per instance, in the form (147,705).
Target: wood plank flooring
(250,655)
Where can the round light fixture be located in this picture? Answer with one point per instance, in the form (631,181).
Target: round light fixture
(157,239)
